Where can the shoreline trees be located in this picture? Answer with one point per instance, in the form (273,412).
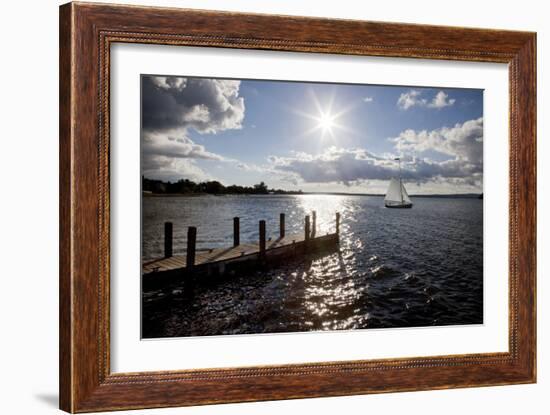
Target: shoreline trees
(186,186)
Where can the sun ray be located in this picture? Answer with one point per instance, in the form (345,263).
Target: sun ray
(326,121)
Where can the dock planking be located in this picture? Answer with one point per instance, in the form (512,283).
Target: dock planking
(262,252)
(218,255)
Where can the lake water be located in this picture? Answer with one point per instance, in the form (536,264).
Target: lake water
(395,267)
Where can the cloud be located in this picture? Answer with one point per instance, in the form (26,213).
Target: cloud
(251,167)
(159,144)
(206,105)
(463,141)
(410,99)
(352,166)
(368,99)
(335,165)
(171,107)
(462,145)
(173,169)
(441,100)
(413,98)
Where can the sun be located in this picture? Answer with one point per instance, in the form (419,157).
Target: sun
(326,123)
(328,120)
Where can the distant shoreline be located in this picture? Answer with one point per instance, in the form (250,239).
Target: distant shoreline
(439,196)
(189,188)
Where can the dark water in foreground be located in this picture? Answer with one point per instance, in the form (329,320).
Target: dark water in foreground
(395,268)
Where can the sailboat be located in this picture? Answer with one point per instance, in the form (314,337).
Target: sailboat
(397,196)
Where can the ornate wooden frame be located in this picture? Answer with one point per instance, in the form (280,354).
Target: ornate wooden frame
(86,33)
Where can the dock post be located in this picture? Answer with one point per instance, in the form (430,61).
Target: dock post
(338,224)
(236,232)
(262,239)
(282,225)
(168,241)
(307,230)
(314,224)
(191,246)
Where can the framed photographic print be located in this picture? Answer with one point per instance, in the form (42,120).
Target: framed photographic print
(261,207)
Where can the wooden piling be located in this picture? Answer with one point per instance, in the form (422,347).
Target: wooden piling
(191,246)
(314,224)
(168,239)
(236,232)
(262,239)
(228,259)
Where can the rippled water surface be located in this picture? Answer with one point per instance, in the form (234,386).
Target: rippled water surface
(395,267)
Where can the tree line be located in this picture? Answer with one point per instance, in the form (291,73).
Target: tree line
(186,186)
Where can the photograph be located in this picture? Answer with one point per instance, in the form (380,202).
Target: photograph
(273,206)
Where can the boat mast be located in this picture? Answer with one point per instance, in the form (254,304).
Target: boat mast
(400,184)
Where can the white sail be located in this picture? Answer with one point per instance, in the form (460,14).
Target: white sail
(405,194)
(394,193)
(397,194)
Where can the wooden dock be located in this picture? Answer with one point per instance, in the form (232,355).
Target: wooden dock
(220,261)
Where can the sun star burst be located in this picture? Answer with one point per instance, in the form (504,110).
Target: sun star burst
(326,120)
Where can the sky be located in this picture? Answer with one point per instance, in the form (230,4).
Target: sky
(314,137)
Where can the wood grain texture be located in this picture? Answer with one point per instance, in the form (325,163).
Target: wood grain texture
(86,33)
(65,173)
(226,254)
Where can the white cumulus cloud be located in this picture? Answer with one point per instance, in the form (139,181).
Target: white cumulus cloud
(409,99)
(441,100)
(160,144)
(462,141)
(173,169)
(414,97)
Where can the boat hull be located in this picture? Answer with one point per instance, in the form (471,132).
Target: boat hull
(403,206)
